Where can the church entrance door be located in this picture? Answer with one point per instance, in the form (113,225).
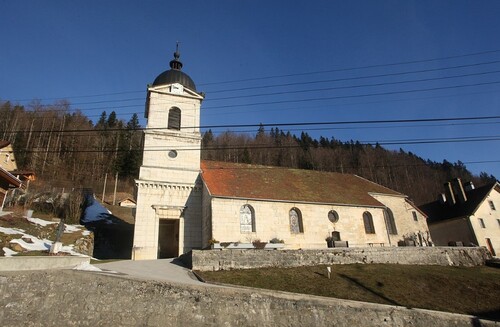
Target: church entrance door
(168,238)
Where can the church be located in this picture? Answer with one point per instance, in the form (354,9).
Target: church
(186,203)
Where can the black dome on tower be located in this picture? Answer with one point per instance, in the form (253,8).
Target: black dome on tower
(175,75)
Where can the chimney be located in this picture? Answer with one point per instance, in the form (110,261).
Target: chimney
(442,198)
(469,186)
(448,191)
(459,190)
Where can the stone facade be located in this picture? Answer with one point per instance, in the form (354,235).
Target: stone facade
(168,189)
(272,221)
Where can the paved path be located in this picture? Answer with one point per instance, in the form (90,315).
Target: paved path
(161,270)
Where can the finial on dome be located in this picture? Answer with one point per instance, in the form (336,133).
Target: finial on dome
(176,64)
(176,53)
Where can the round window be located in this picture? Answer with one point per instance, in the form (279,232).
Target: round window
(172,154)
(333,216)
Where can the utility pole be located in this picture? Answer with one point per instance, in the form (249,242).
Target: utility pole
(104,189)
(116,184)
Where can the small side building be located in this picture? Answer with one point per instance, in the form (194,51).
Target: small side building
(465,215)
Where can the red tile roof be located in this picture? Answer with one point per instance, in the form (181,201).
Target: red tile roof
(225,179)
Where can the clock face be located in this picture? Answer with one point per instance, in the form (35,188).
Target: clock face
(176,88)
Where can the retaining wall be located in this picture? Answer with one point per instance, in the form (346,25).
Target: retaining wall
(73,298)
(213,260)
(40,263)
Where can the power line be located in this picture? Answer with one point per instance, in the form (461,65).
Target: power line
(356,78)
(290,75)
(354,96)
(462,139)
(354,86)
(351,122)
(321,81)
(356,68)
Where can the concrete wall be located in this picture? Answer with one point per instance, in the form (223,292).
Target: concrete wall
(39,263)
(73,298)
(213,260)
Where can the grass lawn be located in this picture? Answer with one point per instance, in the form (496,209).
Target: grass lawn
(473,290)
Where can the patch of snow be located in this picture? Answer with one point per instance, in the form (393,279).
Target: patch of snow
(72,228)
(40,222)
(6,230)
(86,267)
(86,233)
(8,252)
(37,245)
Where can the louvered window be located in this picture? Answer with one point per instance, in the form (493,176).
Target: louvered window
(174,118)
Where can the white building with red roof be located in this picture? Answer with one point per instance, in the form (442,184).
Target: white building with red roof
(184,203)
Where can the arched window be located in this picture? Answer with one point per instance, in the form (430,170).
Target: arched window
(390,223)
(296,225)
(368,221)
(174,118)
(247,219)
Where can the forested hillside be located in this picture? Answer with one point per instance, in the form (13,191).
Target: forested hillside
(66,149)
(403,171)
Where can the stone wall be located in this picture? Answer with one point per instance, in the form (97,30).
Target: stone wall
(213,260)
(38,263)
(72,298)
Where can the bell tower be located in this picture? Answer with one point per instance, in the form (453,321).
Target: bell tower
(168,214)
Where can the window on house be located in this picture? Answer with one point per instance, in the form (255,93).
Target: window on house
(414,213)
(174,118)
(247,219)
(368,221)
(492,205)
(333,216)
(296,225)
(481,222)
(389,222)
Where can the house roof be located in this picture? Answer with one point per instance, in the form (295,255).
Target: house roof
(11,179)
(233,180)
(3,144)
(438,211)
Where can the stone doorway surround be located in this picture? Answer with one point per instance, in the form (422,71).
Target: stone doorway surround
(174,214)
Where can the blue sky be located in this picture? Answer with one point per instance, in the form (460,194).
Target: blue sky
(100,55)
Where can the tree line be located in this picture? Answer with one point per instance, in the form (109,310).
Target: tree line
(402,171)
(67,149)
